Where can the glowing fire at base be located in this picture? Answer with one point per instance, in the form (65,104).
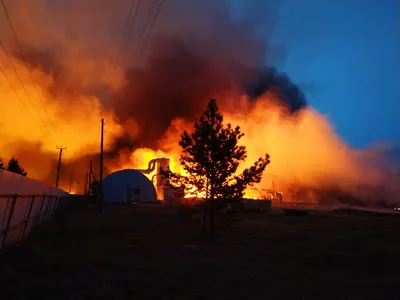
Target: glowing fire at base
(74,83)
(141,158)
(298,158)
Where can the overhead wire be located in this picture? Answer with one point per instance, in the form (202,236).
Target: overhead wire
(130,22)
(20,81)
(17,95)
(149,32)
(143,35)
(125,33)
(25,63)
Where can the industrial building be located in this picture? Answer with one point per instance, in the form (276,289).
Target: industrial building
(133,186)
(149,186)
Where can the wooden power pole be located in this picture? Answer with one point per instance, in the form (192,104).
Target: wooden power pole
(100,198)
(87,187)
(61,148)
(90,174)
(70,182)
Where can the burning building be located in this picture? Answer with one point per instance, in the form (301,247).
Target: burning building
(138,185)
(128,186)
(196,51)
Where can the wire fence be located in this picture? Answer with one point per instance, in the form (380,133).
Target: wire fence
(19,214)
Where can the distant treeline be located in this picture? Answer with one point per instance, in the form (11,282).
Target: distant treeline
(13,166)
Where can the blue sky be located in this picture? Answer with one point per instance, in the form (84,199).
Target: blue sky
(346,54)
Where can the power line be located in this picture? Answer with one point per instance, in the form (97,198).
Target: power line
(20,81)
(125,33)
(26,65)
(144,44)
(133,22)
(142,34)
(140,45)
(126,94)
(128,29)
(16,94)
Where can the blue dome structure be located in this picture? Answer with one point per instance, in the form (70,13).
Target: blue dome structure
(128,186)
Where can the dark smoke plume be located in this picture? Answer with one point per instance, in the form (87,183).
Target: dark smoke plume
(197,50)
(184,67)
(178,83)
(271,79)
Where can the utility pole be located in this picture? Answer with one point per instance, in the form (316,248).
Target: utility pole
(87,186)
(70,182)
(100,198)
(61,148)
(90,174)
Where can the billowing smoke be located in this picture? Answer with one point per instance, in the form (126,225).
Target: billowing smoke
(178,83)
(154,88)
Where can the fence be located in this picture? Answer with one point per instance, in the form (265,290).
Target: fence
(21,213)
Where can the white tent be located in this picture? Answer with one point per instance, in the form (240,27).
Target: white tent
(128,186)
(11,183)
(25,188)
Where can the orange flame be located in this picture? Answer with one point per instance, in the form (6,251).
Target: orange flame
(303,148)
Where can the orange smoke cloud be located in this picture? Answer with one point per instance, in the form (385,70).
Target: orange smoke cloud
(59,106)
(76,125)
(304,149)
(196,52)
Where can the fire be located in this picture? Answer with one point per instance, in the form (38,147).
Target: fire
(57,107)
(48,120)
(252,193)
(140,158)
(303,148)
(73,65)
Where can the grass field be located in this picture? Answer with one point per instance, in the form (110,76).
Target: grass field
(148,252)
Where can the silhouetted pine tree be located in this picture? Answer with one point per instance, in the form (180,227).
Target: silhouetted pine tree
(211,156)
(14,166)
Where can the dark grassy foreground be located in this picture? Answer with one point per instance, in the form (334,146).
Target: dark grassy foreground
(148,252)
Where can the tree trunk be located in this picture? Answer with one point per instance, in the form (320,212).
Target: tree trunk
(211,216)
(206,209)
(204,219)
(211,182)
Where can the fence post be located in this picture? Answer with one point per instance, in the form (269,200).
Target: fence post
(5,231)
(3,219)
(48,208)
(37,218)
(27,216)
(55,206)
(51,209)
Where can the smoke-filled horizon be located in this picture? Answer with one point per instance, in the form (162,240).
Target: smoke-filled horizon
(159,86)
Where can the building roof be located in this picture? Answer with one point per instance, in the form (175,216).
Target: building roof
(128,185)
